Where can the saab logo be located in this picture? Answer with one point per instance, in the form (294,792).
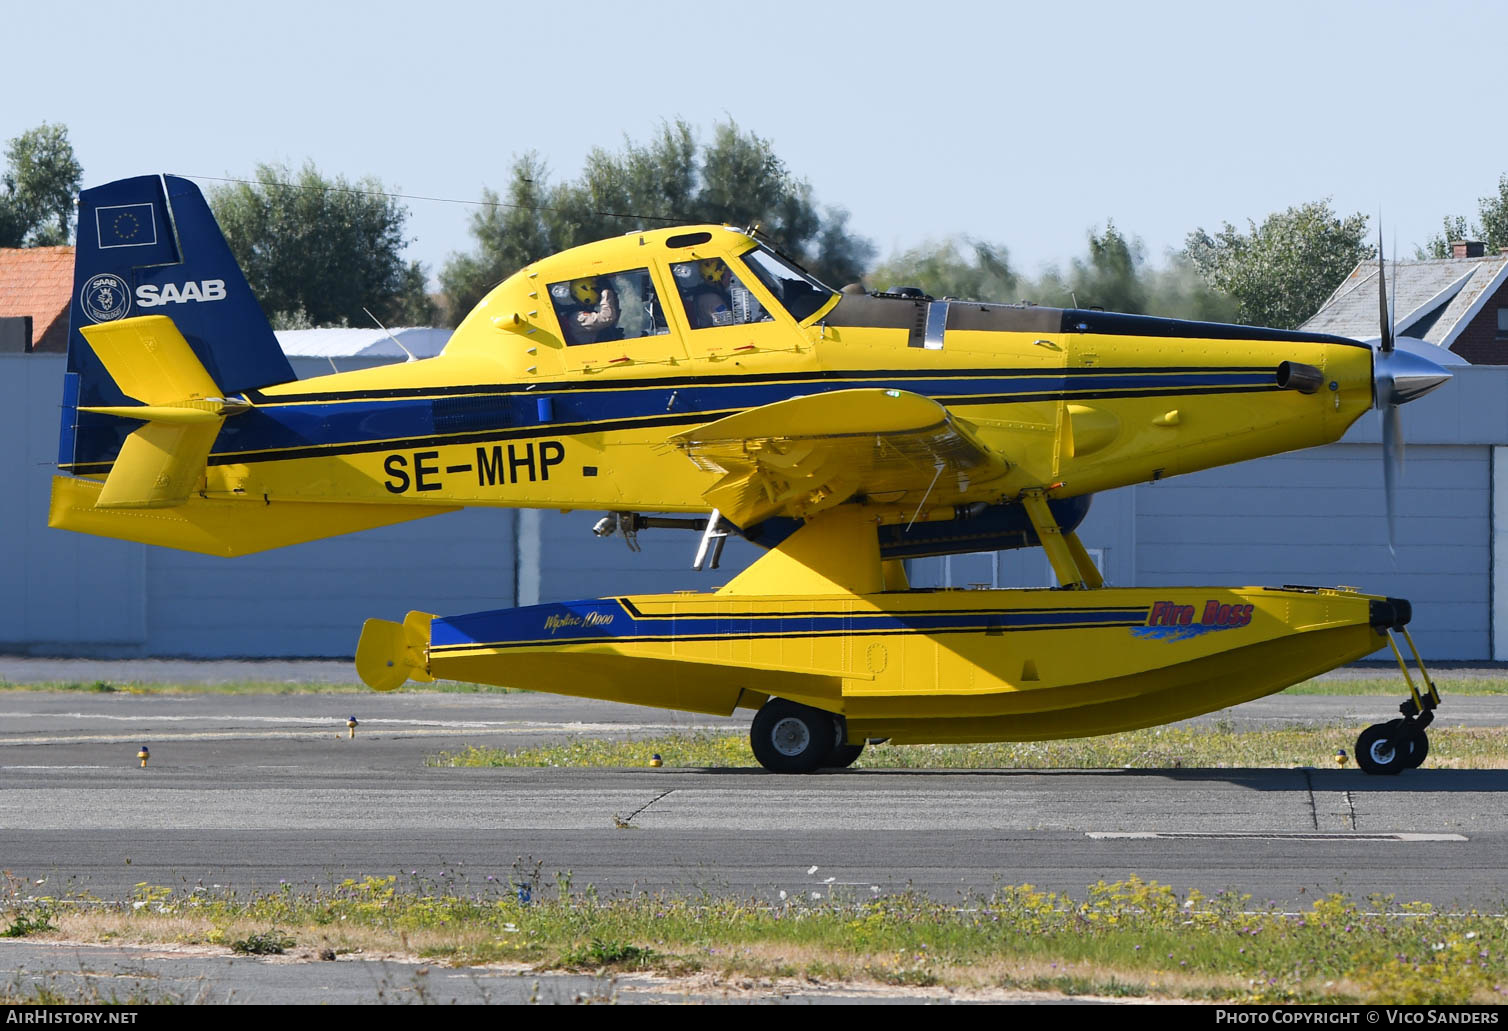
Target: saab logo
(149,296)
(1167,613)
(105,298)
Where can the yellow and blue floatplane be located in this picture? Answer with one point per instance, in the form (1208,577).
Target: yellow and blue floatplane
(700,374)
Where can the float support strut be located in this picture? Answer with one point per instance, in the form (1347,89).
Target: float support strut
(1070,560)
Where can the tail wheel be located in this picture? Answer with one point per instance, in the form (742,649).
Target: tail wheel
(1374,753)
(791,738)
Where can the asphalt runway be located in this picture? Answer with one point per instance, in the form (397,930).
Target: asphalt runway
(248,791)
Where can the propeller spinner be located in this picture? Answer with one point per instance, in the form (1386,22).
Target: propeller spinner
(1401,372)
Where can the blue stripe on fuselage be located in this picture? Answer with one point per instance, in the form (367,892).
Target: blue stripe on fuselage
(338,422)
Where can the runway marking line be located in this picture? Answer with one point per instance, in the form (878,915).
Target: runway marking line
(1271,836)
(57,767)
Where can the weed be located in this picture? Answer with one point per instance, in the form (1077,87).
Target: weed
(264,943)
(1118,938)
(23,925)
(600,953)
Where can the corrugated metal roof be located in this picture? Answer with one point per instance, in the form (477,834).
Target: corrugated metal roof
(371,343)
(1434,295)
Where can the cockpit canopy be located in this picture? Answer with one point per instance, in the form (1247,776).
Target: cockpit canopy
(621,289)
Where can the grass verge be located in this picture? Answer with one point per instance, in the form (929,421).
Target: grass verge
(1391,683)
(1128,938)
(1219,745)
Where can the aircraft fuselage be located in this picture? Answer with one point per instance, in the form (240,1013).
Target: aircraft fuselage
(512,415)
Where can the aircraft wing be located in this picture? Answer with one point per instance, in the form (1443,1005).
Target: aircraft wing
(805,454)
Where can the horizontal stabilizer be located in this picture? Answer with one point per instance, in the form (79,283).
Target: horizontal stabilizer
(216,527)
(159,413)
(149,360)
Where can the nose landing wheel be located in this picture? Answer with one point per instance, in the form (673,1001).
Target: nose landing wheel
(1400,744)
(1392,747)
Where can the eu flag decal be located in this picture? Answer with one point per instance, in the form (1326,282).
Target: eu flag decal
(126,225)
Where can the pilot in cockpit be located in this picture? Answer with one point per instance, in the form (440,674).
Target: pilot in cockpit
(713,295)
(588,310)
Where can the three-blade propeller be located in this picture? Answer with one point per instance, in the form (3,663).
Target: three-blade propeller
(1399,375)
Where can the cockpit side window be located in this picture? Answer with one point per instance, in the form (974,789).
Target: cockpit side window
(714,295)
(612,306)
(802,295)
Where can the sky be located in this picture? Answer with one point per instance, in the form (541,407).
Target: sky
(1023,125)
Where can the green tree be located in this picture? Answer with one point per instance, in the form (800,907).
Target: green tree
(317,250)
(1493,211)
(1176,291)
(958,266)
(1452,227)
(737,179)
(509,234)
(1491,227)
(1111,276)
(1280,272)
(1115,276)
(41,180)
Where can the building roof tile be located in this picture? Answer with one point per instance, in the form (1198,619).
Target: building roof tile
(38,281)
(1432,299)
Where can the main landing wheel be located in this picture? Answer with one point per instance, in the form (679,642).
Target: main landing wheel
(791,738)
(1374,753)
(843,756)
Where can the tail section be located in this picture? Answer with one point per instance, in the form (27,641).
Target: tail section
(164,334)
(149,246)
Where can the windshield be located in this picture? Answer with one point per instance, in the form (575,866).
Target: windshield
(801,295)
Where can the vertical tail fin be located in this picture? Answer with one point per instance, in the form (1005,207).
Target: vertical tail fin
(151,246)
